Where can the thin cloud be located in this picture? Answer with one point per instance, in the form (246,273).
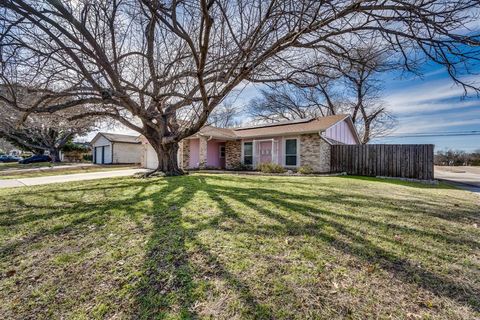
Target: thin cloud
(438,122)
(432,107)
(433,91)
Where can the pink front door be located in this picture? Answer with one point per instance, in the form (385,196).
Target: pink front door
(265,151)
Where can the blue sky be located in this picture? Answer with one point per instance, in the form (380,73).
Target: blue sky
(428,104)
(432,104)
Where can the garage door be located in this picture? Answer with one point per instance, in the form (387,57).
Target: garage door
(152,159)
(107,154)
(99,155)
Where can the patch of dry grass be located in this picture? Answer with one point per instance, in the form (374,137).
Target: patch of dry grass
(5,166)
(52,171)
(239,247)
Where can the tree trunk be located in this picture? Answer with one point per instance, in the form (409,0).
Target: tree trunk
(366,133)
(167,159)
(55,155)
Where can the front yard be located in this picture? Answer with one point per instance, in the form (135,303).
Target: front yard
(6,166)
(239,247)
(57,169)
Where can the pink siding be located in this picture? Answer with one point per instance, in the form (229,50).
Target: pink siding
(213,154)
(279,143)
(280,156)
(341,132)
(194,153)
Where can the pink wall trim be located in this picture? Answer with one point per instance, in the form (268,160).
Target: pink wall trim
(213,154)
(194,153)
(279,143)
(341,132)
(281,155)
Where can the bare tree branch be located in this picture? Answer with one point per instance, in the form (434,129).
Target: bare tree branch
(169,64)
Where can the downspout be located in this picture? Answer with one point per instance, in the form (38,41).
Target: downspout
(321,133)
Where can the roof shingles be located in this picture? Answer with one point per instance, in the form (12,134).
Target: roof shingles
(267,130)
(114,137)
(274,129)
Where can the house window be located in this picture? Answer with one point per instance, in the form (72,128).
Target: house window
(291,152)
(222,152)
(248,153)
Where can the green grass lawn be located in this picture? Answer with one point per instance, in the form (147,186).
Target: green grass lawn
(5,166)
(50,171)
(239,247)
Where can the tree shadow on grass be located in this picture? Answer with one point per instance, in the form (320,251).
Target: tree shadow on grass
(357,245)
(399,182)
(168,258)
(418,202)
(79,215)
(167,285)
(170,282)
(167,281)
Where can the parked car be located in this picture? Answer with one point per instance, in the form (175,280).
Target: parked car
(36,158)
(7,158)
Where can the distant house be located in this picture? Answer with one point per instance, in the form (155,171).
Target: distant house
(111,148)
(76,152)
(290,144)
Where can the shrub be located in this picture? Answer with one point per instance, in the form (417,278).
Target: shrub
(271,168)
(305,169)
(72,146)
(238,166)
(212,168)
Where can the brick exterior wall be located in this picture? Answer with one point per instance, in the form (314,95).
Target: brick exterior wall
(184,146)
(202,153)
(233,153)
(315,152)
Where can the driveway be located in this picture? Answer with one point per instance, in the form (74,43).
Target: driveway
(465,177)
(67,178)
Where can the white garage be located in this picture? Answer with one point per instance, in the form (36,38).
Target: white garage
(149,157)
(112,148)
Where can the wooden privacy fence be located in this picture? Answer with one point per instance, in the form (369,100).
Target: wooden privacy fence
(389,160)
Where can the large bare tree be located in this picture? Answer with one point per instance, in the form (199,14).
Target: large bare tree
(6,147)
(39,132)
(282,102)
(368,110)
(226,115)
(347,86)
(161,67)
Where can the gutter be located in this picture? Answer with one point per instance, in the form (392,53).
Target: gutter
(322,136)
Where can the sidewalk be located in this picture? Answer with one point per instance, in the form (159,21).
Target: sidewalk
(10,183)
(467,178)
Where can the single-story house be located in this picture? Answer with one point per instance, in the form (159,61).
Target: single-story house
(291,144)
(112,148)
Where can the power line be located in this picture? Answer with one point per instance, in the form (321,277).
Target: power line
(434,134)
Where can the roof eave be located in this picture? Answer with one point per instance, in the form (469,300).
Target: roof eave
(279,134)
(96,138)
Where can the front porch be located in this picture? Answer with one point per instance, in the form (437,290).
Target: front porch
(212,153)
(224,153)
(203,153)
